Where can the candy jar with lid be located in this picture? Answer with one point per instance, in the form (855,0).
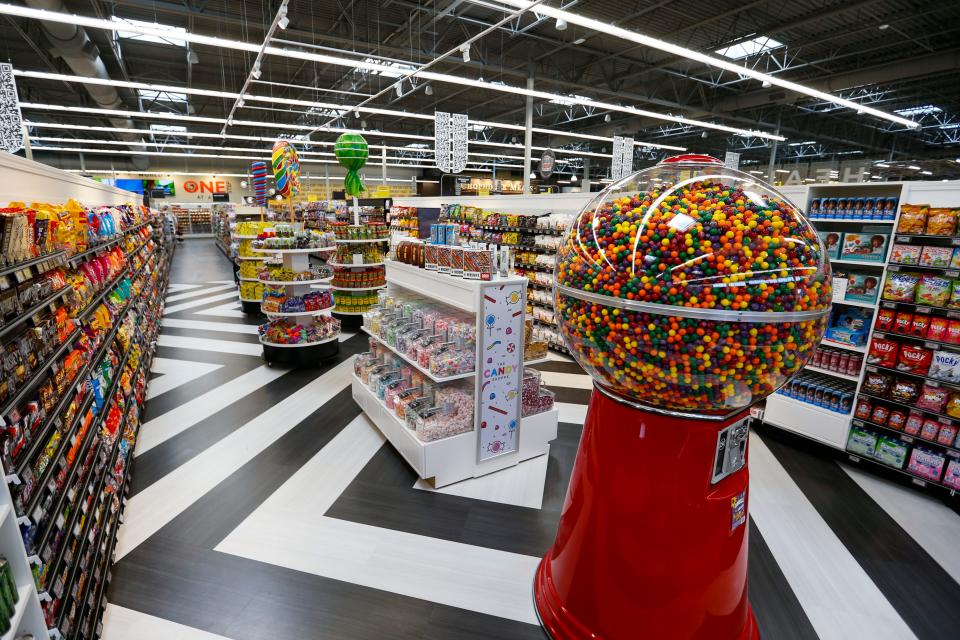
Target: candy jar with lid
(689,291)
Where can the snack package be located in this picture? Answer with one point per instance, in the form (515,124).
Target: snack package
(890,451)
(907,254)
(930,429)
(883,353)
(862,442)
(951,477)
(913,219)
(936,257)
(861,287)
(925,463)
(933,290)
(952,334)
(920,325)
(941,222)
(880,415)
(904,391)
(938,329)
(913,424)
(877,384)
(954,301)
(871,247)
(955,259)
(900,287)
(897,419)
(932,399)
(947,435)
(832,241)
(953,405)
(864,409)
(885,320)
(902,322)
(913,359)
(945,366)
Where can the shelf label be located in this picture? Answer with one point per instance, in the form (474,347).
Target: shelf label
(922,310)
(893,268)
(919,482)
(907,438)
(903,238)
(955,241)
(500,367)
(839,289)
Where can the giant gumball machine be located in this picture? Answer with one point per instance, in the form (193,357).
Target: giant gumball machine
(688,291)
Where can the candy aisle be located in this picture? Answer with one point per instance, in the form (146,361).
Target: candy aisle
(83,289)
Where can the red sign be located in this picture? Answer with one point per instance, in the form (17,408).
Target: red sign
(205,186)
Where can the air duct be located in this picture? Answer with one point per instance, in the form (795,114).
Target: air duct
(72,44)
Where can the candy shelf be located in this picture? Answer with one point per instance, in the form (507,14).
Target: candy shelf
(361,240)
(916,480)
(423,370)
(28,313)
(859,263)
(282,251)
(257,300)
(293,314)
(355,266)
(448,460)
(456,292)
(856,303)
(842,345)
(295,283)
(55,258)
(380,286)
(953,452)
(951,272)
(926,342)
(823,425)
(837,374)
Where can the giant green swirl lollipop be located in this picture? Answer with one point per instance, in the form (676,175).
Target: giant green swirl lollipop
(352,151)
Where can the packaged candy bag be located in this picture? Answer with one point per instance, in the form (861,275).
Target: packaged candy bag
(936,257)
(885,320)
(913,424)
(920,325)
(941,222)
(900,287)
(933,290)
(945,366)
(903,322)
(864,409)
(930,429)
(952,334)
(953,405)
(905,391)
(906,254)
(883,353)
(915,360)
(932,399)
(877,384)
(880,415)
(897,419)
(913,219)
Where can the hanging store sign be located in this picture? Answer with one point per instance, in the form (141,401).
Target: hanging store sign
(202,188)
(11,124)
(622,163)
(547,163)
(731,160)
(450,141)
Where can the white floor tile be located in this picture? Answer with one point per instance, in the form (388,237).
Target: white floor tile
(933,525)
(201,325)
(156,505)
(176,373)
(197,292)
(174,288)
(192,304)
(520,485)
(167,425)
(120,623)
(229,310)
(839,598)
(204,344)
(574,413)
(569,380)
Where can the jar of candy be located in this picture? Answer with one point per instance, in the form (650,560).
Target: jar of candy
(542,401)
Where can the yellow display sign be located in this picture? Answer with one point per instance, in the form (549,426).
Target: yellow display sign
(483,192)
(312,197)
(382,192)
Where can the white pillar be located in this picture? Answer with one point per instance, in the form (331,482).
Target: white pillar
(528,139)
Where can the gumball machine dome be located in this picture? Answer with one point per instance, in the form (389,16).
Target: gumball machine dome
(692,287)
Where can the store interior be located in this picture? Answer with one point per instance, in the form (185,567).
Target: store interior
(480,320)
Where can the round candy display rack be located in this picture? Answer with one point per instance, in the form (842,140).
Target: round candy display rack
(347,271)
(688,291)
(304,353)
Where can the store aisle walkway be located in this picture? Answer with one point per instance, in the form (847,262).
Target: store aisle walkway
(264,505)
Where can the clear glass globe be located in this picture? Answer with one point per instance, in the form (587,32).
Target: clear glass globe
(692,287)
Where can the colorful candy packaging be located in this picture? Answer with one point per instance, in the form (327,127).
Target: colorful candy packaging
(925,463)
(938,328)
(900,287)
(897,419)
(920,325)
(952,334)
(930,429)
(864,407)
(885,319)
(933,290)
(877,384)
(945,366)
(913,359)
(936,257)
(913,424)
(904,391)
(907,254)
(671,289)
(902,322)
(951,477)
(913,219)
(947,435)
(883,353)
(890,451)
(941,222)
(954,301)
(932,399)
(880,415)
(953,405)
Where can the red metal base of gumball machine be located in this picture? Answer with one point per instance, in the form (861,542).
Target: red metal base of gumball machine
(648,546)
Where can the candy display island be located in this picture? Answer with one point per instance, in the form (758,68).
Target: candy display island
(688,291)
(444,380)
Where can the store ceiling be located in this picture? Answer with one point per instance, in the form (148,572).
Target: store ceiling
(891,54)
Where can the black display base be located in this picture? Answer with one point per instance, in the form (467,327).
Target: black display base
(349,321)
(252,308)
(312,356)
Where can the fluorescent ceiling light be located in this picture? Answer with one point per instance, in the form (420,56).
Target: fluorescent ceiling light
(926,173)
(223,43)
(569,101)
(60,77)
(880,164)
(798,144)
(655,43)
(914,167)
(401,69)
(756,172)
(128,29)
(760,44)
(781,171)
(923,110)
(162,96)
(162,128)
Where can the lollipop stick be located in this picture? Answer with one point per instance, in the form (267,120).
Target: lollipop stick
(356,211)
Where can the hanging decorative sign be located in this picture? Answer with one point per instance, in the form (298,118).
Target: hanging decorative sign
(622,164)
(547,163)
(450,141)
(258,180)
(11,124)
(286,169)
(352,151)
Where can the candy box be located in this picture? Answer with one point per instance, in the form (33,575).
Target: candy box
(953,405)
(855,208)
(933,290)
(947,435)
(902,322)
(907,254)
(813,209)
(885,318)
(891,452)
(861,287)
(862,442)
(869,247)
(913,424)
(851,326)
(883,353)
(864,409)
(937,329)
(920,325)
(877,384)
(945,366)
(926,464)
(880,415)
(930,429)
(936,257)
(913,359)
(832,242)
(904,391)
(896,420)
(869,207)
(900,287)
(952,334)
(951,477)
(889,211)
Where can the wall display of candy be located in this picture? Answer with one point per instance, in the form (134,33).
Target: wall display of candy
(81,304)
(435,349)
(358,265)
(404,221)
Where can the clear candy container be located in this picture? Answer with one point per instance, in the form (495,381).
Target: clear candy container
(538,403)
(692,287)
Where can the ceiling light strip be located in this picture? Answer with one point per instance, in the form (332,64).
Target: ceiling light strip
(96,23)
(655,43)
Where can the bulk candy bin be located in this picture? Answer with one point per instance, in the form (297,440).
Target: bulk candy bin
(688,291)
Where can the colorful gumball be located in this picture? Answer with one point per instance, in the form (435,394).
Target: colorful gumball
(258,180)
(352,151)
(693,287)
(286,169)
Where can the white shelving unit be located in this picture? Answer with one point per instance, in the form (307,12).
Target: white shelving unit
(28,616)
(817,423)
(498,309)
